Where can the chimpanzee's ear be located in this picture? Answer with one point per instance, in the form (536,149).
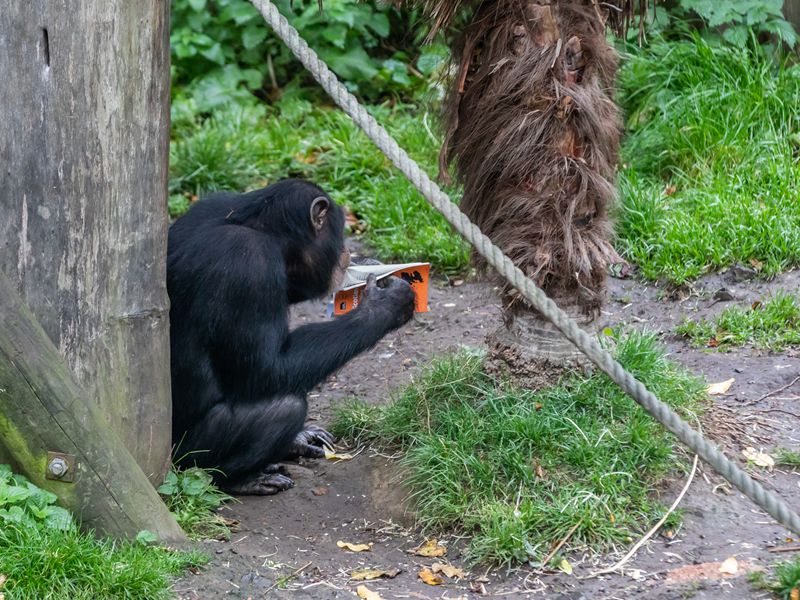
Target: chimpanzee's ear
(319,208)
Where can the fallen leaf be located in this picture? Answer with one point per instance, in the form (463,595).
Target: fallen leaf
(713,343)
(370,574)
(760,459)
(355,547)
(717,389)
(320,491)
(755,305)
(565,566)
(670,189)
(427,576)
(448,570)
(729,566)
(540,472)
(431,548)
(333,455)
(756,264)
(367,594)
(793,595)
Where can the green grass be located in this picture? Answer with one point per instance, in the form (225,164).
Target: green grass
(711,157)
(243,148)
(68,565)
(193,500)
(516,470)
(786,457)
(773,325)
(43,555)
(785,579)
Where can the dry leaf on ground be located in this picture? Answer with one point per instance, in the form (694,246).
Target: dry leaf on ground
(370,574)
(331,455)
(729,566)
(367,594)
(718,389)
(355,547)
(431,548)
(760,459)
(320,491)
(448,570)
(794,594)
(565,566)
(427,576)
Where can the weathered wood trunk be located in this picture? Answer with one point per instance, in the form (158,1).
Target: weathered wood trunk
(84,126)
(791,10)
(43,408)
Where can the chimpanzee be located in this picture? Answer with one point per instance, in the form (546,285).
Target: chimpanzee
(239,375)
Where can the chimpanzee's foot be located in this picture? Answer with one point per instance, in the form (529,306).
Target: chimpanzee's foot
(310,442)
(273,479)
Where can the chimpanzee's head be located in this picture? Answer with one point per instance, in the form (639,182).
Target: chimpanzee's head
(310,227)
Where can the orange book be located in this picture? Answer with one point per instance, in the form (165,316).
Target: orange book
(355,280)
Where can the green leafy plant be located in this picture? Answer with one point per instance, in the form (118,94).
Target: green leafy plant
(736,22)
(193,500)
(44,555)
(738,19)
(27,505)
(784,582)
(222,50)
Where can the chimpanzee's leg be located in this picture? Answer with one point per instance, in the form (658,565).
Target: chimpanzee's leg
(244,441)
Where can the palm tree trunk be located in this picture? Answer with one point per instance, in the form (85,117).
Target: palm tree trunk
(533,133)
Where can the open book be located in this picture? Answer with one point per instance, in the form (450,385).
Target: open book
(355,279)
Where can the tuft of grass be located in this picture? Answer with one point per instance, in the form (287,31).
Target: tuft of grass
(711,173)
(516,469)
(240,148)
(69,565)
(193,500)
(784,582)
(789,458)
(773,325)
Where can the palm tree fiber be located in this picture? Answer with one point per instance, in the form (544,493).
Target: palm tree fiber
(533,133)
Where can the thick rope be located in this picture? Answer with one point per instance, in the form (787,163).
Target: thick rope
(538,299)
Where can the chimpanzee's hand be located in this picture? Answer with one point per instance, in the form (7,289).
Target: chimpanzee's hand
(391,301)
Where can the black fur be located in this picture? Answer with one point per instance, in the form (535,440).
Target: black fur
(239,375)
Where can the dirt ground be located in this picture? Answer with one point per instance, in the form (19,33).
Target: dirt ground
(285,545)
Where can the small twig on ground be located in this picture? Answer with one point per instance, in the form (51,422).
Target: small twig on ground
(652,531)
(772,393)
(780,410)
(784,549)
(563,541)
(289,577)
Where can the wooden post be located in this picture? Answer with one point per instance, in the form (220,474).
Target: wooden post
(791,11)
(43,408)
(84,133)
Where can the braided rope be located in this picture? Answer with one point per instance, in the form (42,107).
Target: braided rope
(538,299)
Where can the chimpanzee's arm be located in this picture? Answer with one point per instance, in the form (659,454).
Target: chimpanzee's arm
(314,351)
